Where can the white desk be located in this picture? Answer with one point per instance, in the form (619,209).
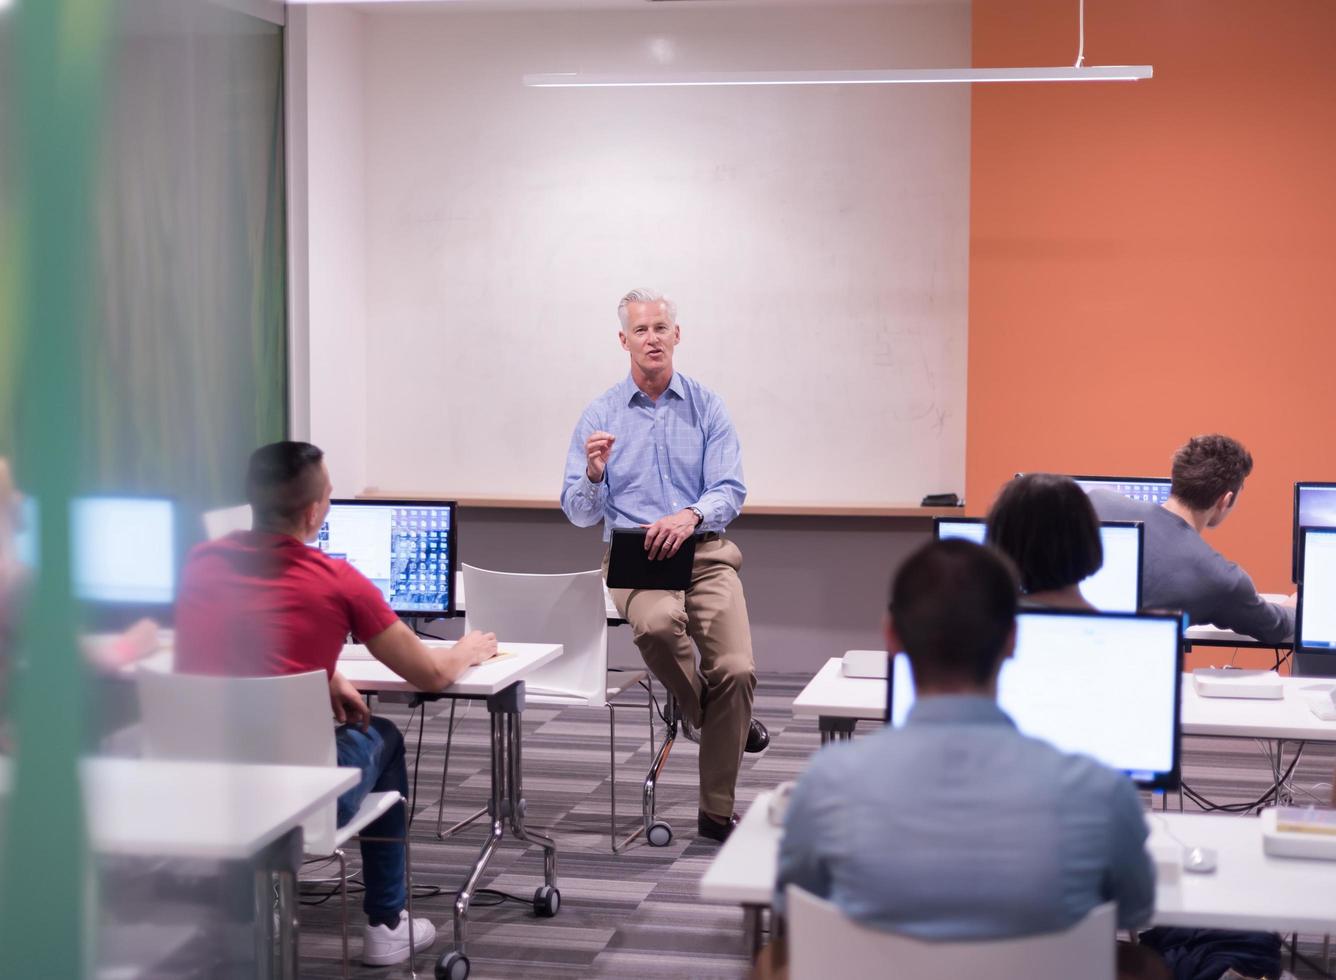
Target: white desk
(743,872)
(210,811)
(501,684)
(1248,890)
(207,810)
(838,702)
(483,681)
(1287,718)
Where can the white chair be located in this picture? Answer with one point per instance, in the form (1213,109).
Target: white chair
(568,609)
(222,522)
(283,720)
(823,942)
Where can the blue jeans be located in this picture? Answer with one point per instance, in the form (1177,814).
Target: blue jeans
(379,753)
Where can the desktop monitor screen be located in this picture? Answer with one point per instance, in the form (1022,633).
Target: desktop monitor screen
(970,528)
(1314,506)
(1315,625)
(1105,685)
(405,547)
(124,549)
(1151,490)
(1116,587)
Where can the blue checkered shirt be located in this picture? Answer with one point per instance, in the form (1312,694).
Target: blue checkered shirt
(680,451)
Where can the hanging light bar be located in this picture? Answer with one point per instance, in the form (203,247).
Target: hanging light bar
(890,76)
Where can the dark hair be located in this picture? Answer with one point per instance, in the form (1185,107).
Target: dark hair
(1207,468)
(281,479)
(953,603)
(1047,526)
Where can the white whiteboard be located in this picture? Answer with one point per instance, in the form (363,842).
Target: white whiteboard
(815,240)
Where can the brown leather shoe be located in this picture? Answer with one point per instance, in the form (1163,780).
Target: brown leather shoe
(707,826)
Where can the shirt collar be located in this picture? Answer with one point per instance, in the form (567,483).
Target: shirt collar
(957,709)
(629,389)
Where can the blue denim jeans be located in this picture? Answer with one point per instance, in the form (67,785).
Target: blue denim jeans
(379,753)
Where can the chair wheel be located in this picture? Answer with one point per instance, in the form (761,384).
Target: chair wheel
(660,834)
(546,902)
(452,966)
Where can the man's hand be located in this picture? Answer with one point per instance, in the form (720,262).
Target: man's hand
(349,708)
(665,536)
(598,447)
(477,647)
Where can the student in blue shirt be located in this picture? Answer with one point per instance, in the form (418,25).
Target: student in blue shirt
(658,451)
(957,826)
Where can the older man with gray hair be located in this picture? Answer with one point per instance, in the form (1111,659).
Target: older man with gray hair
(677,472)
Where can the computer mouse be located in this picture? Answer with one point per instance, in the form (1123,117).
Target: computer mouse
(1198,859)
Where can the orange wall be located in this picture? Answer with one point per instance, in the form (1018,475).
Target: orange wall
(1155,259)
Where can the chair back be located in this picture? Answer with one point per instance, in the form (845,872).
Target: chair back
(566,609)
(222,522)
(283,720)
(824,941)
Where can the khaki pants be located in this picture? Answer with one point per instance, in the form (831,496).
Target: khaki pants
(713,614)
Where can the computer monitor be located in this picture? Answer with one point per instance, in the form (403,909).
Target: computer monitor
(405,547)
(1152,490)
(124,550)
(1314,506)
(1116,587)
(970,528)
(1105,685)
(1315,621)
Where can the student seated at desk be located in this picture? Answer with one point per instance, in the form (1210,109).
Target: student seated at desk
(956,826)
(1180,570)
(1047,527)
(262,602)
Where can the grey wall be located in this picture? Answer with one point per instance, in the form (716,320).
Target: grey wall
(816,586)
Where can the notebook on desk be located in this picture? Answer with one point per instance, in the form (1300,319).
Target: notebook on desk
(630,567)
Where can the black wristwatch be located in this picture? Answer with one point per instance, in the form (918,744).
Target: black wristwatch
(700,517)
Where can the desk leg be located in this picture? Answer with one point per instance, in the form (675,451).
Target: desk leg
(751,929)
(836,729)
(515,794)
(287,924)
(506,805)
(280,860)
(494,808)
(264,924)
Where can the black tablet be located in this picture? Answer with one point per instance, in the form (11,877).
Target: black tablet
(629,565)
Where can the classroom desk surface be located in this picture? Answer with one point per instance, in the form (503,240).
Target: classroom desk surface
(214,810)
(830,696)
(482,681)
(206,810)
(1287,718)
(1248,890)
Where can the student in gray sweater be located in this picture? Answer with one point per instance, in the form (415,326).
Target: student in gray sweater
(1179,569)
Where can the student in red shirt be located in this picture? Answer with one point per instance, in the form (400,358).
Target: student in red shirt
(262,602)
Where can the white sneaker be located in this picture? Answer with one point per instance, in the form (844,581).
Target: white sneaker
(383,946)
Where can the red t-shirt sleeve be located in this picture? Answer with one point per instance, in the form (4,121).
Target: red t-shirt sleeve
(368,612)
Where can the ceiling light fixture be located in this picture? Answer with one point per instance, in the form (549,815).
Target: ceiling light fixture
(1079,72)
